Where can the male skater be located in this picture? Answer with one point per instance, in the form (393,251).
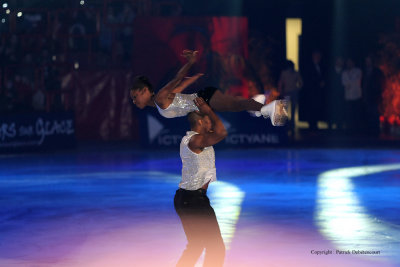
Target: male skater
(191,202)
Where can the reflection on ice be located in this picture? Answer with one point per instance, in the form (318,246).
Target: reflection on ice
(344,221)
(226,199)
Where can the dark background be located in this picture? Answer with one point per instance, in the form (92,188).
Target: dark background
(349,28)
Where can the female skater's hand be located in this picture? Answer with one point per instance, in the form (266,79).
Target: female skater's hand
(164,96)
(202,105)
(190,55)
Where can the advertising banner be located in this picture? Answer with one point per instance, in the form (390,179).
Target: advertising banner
(243,130)
(36,131)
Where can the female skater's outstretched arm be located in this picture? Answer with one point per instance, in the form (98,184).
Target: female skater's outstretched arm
(185,83)
(164,96)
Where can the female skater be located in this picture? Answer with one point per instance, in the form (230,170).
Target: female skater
(171,103)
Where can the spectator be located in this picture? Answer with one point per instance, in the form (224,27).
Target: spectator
(372,84)
(351,79)
(38,100)
(52,83)
(314,90)
(125,18)
(289,85)
(77,31)
(335,100)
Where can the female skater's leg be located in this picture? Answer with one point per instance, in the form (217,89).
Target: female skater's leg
(222,103)
(275,110)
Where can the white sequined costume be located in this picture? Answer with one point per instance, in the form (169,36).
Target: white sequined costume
(180,106)
(197,169)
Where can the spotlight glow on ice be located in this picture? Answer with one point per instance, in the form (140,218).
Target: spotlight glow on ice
(344,221)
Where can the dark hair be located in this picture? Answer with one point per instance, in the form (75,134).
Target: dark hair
(139,82)
(193,117)
(289,65)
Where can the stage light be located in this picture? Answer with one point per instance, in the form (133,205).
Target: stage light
(82,2)
(5,5)
(19,14)
(8,11)
(54,58)
(293,32)
(76,65)
(3,20)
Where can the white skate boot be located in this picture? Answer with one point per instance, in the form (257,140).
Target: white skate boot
(276,111)
(260,99)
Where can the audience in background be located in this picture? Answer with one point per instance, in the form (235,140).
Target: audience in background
(31,68)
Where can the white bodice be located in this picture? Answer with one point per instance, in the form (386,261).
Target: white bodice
(180,106)
(197,169)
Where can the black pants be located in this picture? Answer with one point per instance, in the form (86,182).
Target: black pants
(201,228)
(353,116)
(207,93)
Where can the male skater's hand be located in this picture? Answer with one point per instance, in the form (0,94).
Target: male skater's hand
(204,108)
(215,131)
(190,55)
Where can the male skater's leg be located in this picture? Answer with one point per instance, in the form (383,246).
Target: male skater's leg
(214,244)
(185,207)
